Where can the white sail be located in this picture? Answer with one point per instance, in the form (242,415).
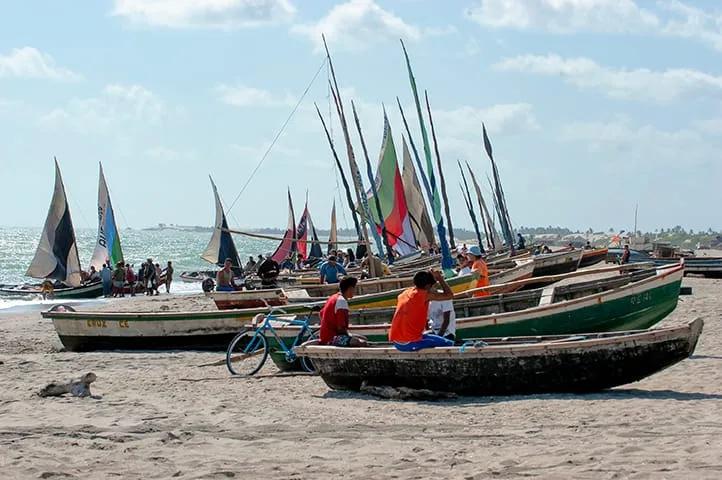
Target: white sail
(107,245)
(57,255)
(421,222)
(221,246)
(333,235)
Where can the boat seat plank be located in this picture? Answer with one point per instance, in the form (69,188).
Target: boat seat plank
(547,296)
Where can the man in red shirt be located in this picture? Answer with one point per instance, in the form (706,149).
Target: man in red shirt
(334,318)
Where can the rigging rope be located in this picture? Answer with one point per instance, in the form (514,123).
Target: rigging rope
(275,139)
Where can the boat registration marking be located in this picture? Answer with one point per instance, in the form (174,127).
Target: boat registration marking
(96,323)
(640,298)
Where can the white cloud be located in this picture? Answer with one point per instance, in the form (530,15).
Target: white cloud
(116,104)
(640,84)
(509,118)
(28,62)
(673,18)
(643,144)
(218,14)
(564,16)
(358,24)
(245,96)
(694,23)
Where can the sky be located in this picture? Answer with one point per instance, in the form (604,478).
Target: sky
(592,106)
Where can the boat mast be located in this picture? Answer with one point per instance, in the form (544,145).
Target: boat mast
(470,207)
(355,174)
(372,180)
(346,188)
(447,263)
(442,181)
(489,228)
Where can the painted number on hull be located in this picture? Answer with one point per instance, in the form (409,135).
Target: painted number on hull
(641,298)
(123,324)
(96,323)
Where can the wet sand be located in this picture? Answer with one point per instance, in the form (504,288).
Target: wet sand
(160,415)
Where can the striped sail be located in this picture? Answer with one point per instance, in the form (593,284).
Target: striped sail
(306,233)
(107,244)
(420,220)
(288,244)
(56,257)
(390,194)
(221,245)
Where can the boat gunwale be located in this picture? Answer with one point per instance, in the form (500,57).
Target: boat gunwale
(691,330)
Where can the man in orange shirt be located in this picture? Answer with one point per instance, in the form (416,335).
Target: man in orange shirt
(410,319)
(480,265)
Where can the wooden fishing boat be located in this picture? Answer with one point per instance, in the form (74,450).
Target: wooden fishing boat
(93,290)
(556,263)
(633,300)
(382,298)
(710,267)
(82,331)
(197,276)
(511,366)
(592,257)
(635,304)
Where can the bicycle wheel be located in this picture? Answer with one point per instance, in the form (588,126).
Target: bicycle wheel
(246,353)
(306,362)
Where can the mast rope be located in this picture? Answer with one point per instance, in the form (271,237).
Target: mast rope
(280,132)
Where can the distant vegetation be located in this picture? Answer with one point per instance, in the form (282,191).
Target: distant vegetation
(553,235)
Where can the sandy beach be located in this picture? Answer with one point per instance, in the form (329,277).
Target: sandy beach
(160,415)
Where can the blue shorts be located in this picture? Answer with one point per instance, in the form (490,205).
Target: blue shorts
(340,341)
(427,341)
(225,288)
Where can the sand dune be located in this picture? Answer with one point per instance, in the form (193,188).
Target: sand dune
(159,415)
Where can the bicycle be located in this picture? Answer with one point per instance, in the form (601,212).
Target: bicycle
(254,344)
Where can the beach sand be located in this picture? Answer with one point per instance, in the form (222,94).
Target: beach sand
(160,415)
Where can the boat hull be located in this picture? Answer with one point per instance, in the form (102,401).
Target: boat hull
(577,366)
(592,257)
(638,305)
(556,263)
(73,293)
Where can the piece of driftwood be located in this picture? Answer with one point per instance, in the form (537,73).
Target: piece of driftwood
(405,393)
(76,387)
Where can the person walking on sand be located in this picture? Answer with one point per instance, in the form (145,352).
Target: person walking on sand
(334,318)
(168,276)
(408,324)
(158,276)
(130,278)
(149,276)
(106,277)
(119,280)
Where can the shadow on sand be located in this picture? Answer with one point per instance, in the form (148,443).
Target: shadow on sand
(614,394)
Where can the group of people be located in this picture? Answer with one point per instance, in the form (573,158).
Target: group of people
(424,316)
(123,278)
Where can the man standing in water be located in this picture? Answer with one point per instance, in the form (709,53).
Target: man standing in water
(412,308)
(168,276)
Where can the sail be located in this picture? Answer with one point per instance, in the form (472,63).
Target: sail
(288,244)
(315,250)
(391,198)
(420,220)
(447,263)
(57,255)
(492,239)
(333,234)
(107,245)
(221,245)
(306,233)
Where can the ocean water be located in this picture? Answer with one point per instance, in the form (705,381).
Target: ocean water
(183,248)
